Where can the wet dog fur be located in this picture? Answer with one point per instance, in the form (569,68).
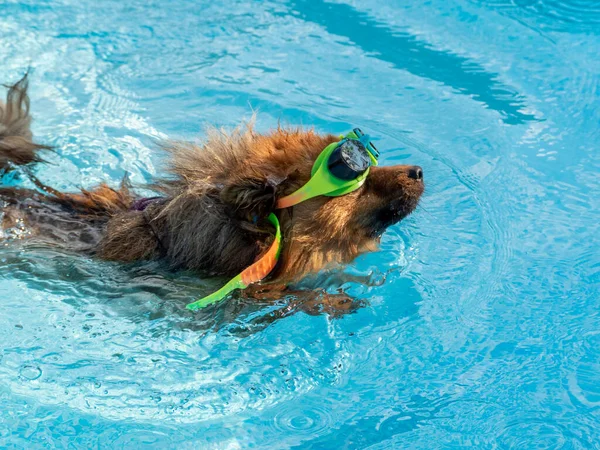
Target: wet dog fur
(211,217)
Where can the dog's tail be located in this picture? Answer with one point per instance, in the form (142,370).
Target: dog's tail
(16,141)
(17,148)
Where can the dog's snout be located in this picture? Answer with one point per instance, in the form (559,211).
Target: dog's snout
(415,172)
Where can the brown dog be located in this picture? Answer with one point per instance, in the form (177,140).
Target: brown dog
(211,214)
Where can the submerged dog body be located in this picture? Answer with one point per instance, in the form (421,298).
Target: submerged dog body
(211,214)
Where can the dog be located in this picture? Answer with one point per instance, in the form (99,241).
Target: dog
(210,213)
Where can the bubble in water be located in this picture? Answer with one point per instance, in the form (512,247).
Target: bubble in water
(30,372)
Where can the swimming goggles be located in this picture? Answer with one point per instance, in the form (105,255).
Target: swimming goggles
(342,167)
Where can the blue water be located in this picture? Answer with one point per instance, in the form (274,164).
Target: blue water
(482,326)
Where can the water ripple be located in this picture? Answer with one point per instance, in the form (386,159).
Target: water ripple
(408,53)
(310,420)
(519,434)
(557,14)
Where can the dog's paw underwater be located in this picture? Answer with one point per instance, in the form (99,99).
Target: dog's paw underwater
(219,206)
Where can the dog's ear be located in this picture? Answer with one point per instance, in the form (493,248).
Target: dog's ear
(251,198)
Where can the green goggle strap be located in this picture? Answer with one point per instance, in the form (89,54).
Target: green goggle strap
(256,272)
(232,285)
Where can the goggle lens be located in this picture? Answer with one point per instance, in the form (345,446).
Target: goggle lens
(366,141)
(355,155)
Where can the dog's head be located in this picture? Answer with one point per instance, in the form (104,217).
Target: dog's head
(248,172)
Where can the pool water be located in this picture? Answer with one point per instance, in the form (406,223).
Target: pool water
(481,326)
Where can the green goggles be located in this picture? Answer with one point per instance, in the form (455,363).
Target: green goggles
(341,168)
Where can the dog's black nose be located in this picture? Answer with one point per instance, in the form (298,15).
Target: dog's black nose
(415,172)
